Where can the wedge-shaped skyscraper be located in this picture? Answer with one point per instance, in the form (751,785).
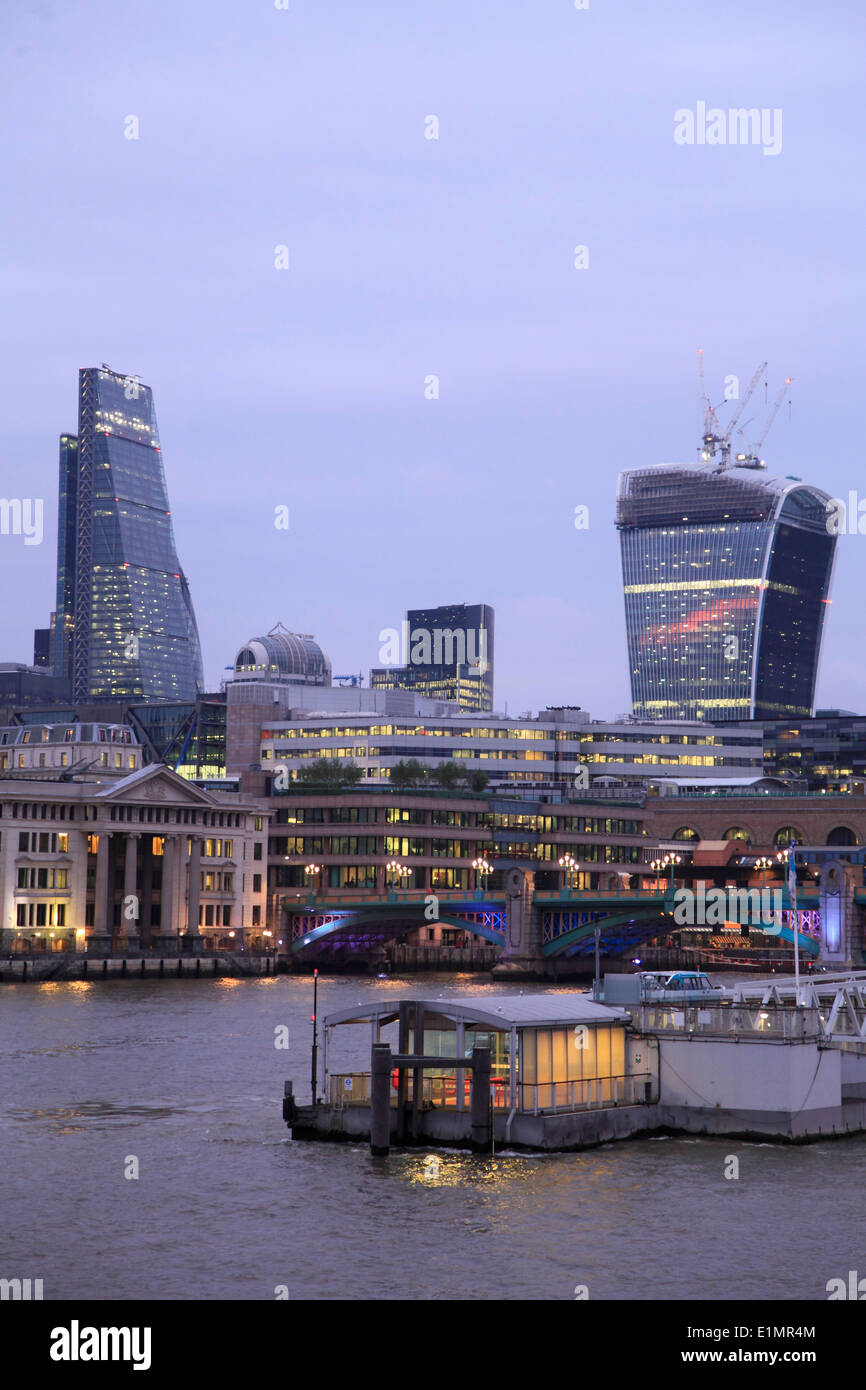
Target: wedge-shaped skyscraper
(726,574)
(124,624)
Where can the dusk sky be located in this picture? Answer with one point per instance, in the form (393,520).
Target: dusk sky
(411,257)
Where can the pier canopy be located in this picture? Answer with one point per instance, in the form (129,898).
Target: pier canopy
(548,1051)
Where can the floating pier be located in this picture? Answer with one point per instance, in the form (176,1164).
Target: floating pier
(560,1071)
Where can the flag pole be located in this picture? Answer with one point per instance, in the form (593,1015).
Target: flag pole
(792,893)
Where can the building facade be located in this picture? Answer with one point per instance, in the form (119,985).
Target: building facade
(444,653)
(560,745)
(726,577)
(124,622)
(129,862)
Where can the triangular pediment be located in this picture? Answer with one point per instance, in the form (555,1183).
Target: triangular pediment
(159,785)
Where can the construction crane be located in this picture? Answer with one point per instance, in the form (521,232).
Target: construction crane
(752,459)
(713,441)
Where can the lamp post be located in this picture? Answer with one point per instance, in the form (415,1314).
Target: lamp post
(671,860)
(311,870)
(763,864)
(569,863)
(482,869)
(657,865)
(397,872)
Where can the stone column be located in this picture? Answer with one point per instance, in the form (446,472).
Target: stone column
(130,924)
(102,927)
(166,896)
(194,893)
(145,927)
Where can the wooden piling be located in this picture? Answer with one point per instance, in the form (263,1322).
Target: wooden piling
(480,1101)
(380,1099)
(417,1073)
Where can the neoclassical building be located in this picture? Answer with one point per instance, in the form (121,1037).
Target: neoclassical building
(126,862)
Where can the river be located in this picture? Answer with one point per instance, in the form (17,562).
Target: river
(184,1078)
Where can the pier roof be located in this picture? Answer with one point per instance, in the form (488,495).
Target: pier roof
(498,1011)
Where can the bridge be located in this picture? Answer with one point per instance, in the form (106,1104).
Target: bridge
(535,928)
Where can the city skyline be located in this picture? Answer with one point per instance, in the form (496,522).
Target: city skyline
(412,257)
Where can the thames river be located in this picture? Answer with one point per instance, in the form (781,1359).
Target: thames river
(182,1081)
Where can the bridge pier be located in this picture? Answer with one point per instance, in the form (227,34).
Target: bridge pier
(842,934)
(521,957)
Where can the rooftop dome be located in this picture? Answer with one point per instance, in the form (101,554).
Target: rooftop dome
(284,656)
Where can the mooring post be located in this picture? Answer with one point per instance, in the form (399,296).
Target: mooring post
(380,1099)
(402,1048)
(480,1100)
(417,1073)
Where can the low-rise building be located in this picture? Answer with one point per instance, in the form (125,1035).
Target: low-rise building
(100,861)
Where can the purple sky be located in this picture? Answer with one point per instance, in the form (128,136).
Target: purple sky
(305,127)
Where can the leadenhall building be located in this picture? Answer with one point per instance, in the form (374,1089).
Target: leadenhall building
(95,856)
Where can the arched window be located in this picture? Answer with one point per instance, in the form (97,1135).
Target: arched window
(685,832)
(787,835)
(736,832)
(841,835)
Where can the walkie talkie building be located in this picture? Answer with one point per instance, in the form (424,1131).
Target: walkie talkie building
(726,575)
(124,624)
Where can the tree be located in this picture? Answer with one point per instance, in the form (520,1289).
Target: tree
(330,772)
(448,776)
(477,781)
(408,774)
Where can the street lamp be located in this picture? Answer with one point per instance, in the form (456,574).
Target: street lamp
(657,865)
(482,869)
(397,871)
(311,870)
(671,860)
(569,863)
(763,864)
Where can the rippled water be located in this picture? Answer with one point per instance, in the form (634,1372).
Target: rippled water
(184,1075)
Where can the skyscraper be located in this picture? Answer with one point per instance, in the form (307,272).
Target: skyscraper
(726,574)
(445,653)
(124,624)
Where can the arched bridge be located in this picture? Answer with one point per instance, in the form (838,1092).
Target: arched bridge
(563,923)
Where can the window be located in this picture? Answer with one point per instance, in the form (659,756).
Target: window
(257,848)
(24,840)
(257,883)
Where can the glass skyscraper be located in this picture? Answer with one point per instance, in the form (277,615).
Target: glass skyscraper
(446,654)
(726,575)
(124,622)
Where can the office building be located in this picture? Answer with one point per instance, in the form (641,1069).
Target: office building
(444,653)
(726,577)
(124,623)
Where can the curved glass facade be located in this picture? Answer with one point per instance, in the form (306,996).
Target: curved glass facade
(725,577)
(125,621)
